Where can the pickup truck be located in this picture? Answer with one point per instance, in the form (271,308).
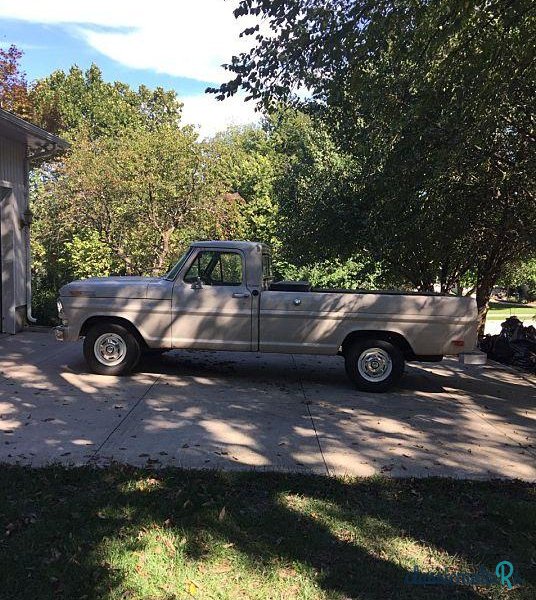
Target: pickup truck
(221,296)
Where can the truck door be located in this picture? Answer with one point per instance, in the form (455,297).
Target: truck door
(211,303)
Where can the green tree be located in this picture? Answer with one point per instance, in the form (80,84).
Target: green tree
(314,188)
(63,102)
(141,195)
(88,255)
(434,102)
(249,163)
(521,275)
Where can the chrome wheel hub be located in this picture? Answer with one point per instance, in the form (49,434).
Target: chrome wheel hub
(374,364)
(110,349)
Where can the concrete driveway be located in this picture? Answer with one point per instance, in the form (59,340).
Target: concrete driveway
(282,412)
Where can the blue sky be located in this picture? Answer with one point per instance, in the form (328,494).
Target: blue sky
(176,44)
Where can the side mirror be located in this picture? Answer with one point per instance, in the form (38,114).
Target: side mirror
(197,284)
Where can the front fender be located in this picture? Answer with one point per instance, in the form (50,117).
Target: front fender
(150,317)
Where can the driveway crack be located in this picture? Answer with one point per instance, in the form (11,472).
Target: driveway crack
(135,405)
(307,404)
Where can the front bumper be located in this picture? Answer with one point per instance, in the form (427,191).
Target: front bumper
(60,333)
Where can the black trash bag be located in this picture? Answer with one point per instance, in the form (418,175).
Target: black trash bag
(522,355)
(487,342)
(502,350)
(515,345)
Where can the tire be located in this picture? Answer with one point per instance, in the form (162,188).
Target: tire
(374,365)
(119,349)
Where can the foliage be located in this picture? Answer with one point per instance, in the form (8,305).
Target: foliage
(314,187)
(88,255)
(133,191)
(130,203)
(64,101)
(433,100)
(522,274)
(358,273)
(248,160)
(285,170)
(13,85)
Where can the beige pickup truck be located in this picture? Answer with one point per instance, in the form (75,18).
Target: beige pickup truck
(221,296)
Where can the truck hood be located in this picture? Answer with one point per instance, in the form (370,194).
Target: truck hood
(116,287)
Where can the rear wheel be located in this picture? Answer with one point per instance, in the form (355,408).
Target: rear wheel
(111,349)
(374,365)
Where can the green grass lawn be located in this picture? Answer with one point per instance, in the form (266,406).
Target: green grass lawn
(500,311)
(123,533)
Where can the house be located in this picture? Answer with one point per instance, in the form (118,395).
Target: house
(20,144)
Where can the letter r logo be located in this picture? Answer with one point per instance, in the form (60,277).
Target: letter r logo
(504,570)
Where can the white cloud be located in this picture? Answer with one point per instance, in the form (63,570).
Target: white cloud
(211,115)
(185,38)
(182,38)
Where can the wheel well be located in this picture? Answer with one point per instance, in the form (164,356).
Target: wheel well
(387,336)
(118,321)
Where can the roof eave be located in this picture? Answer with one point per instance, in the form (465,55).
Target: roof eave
(40,143)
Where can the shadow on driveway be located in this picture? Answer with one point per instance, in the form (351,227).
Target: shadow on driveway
(270,412)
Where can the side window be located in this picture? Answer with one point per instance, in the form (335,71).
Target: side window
(216,268)
(199,267)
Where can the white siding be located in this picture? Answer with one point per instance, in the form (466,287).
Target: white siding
(13,236)
(12,155)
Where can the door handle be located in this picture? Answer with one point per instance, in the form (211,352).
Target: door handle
(240,295)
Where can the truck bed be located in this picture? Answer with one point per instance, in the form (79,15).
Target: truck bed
(305,286)
(381,292)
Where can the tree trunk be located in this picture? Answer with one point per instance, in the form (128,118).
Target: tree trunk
(164,251)
(483,294)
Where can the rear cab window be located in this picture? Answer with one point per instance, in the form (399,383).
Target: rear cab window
(267,275)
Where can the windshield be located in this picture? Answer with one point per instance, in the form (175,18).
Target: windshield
(178,266)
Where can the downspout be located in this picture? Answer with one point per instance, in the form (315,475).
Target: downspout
(27,221)
(29,316)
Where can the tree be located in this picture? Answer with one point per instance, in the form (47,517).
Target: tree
(433,100)
(249,161)
(65,101)
(122,199)
(132,202)
(13,85)
(521,276)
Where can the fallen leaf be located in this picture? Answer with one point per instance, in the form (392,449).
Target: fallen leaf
(192,588)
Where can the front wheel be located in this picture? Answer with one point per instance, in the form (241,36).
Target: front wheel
(374,365)
(111,349)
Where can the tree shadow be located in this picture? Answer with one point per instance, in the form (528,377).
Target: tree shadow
(89,529)
(276,411)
